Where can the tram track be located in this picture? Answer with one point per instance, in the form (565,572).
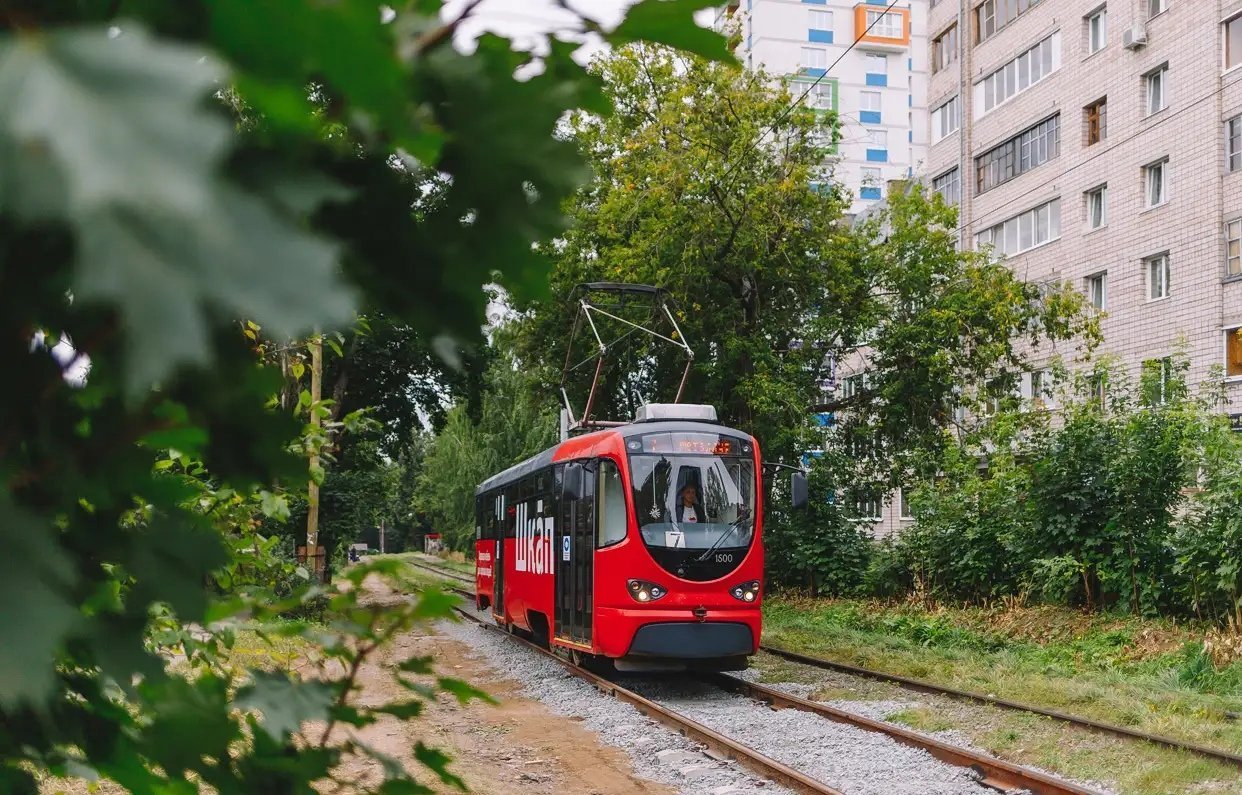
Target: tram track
(919,686)
(988,771)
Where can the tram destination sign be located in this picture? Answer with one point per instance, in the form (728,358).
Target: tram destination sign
(1235,421)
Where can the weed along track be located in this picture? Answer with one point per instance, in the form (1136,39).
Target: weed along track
(802,745)
(1083,723)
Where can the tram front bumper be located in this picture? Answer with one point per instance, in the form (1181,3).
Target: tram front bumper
(677,633)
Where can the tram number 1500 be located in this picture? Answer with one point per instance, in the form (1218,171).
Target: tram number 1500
(724,557)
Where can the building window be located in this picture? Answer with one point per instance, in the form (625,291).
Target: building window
(868,507)
(1097,31)
(1233,42)
(1157,375)
(869,105)
(852,386)
(1019,74)
(1157,277)
(820,20)
(946,119)
(1233,352)
(877,139)
(1041,389)
(1233,247)
(993,15)
(1024,231)
(877,64)
(1233,143)
(814,58)
(904,501)
(1018,155)
(885,25)
(815,94)
(944,49)
(870,184)
(1097,207)
(949,186)
(1155,181)
(1097,290)
(1096,115)
(1157,89)
(1156,7)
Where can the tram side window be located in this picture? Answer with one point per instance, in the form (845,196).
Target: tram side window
(511,501)
(611,510)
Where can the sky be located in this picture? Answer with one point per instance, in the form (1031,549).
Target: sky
(529,22)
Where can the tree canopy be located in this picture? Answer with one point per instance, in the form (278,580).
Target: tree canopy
(168,171)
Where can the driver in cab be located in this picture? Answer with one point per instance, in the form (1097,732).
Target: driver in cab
(688,507)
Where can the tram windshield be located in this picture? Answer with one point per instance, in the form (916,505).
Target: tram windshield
(693,491)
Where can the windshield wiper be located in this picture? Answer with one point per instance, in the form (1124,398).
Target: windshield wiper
(735,525)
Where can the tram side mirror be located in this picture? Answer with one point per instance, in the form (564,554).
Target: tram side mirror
(797,488)
(573,482)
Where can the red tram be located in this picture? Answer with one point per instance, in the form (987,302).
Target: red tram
(640,543)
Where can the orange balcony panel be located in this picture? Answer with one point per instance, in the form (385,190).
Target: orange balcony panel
(883,30)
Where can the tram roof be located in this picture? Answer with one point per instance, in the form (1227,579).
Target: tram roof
(545,458)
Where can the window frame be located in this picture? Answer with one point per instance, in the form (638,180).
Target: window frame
(1236,330)
(1231,222)
(946,113)
(1156,7)
(883,27)
(944,49)
(1233,144)
(821,14)
(1101,14)
(872,134)
(1015,156)
(1166,273)
(820,51)
(601,514)
(1098,278)
(1148,171)
(871,58)
(1100,191)
(1149,80)
(904,513)
(1054,230)
(952,177)
(1004,83)
(1235,19)
(1096,117)
(863,105)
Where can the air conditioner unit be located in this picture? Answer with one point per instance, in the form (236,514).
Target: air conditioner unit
(1134,37)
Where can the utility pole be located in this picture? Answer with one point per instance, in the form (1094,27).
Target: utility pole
(312,492)
(381,536)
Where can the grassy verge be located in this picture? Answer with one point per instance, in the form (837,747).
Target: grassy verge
(1148,675)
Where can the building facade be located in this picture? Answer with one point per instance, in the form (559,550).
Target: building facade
(877,88)
(1099,142)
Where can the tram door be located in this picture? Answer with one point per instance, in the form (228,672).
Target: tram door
(574,551)
(498,559)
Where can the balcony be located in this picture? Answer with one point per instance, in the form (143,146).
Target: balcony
(890,34)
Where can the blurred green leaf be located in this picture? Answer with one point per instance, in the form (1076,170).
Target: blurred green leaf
(672,22)
(286,703)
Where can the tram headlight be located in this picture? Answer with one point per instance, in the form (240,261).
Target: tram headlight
(643,591)
(746,591)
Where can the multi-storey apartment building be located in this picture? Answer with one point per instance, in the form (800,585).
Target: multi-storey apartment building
(1100,142)
(878,87)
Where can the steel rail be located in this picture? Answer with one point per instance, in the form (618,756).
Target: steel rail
(723,746)
(921,686)
(993,772)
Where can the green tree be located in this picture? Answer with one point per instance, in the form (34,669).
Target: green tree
(353,162)
(515,423)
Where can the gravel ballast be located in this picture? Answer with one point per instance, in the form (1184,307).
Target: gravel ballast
(853,760)
(657,753)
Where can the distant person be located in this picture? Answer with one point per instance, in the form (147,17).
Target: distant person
(688,508)
(353,555)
